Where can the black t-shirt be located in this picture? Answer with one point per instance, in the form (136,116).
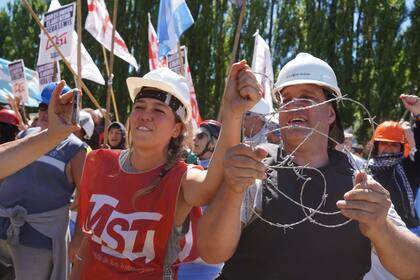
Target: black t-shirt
(306,251)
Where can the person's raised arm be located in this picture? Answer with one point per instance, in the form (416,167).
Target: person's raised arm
(412,104)
(17,154)
(242,92)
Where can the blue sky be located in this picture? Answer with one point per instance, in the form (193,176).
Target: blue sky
(3,3)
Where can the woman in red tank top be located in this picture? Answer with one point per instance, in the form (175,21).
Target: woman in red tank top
(134,202)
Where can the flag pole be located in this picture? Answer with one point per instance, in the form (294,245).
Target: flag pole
(234,51)
(84,87)
(237,36)
(25,115)
(114,103)
(55,70)
(79,42)
(111,75)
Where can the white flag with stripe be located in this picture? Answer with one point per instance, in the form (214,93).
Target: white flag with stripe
(263,68)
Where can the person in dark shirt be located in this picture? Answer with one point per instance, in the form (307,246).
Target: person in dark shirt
(288,241)
(398,174)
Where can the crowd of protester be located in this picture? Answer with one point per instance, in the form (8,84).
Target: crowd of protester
(150,205)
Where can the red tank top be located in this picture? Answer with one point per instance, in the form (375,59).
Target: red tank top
(128,239)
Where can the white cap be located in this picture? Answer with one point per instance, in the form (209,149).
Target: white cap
(261,108)
(87,124)
(165,80)
(307,69)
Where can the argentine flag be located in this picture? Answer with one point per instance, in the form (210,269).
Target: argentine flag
(174,18)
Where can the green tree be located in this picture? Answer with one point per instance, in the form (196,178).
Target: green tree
(375,59)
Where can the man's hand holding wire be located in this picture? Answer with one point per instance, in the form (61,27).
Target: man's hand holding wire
(368,203)
(243,166)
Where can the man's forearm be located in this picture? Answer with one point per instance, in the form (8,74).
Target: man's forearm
(17,154)
(399,251)
(219,229)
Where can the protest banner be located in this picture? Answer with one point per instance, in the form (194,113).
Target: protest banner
(174,61)
(47,73)
(17,76)
(60,25)
(175,65)
(57,48)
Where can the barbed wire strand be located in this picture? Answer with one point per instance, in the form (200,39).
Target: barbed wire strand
(287,163)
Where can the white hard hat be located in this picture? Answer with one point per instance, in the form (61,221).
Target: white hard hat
(87,124)
(168,81)
(261,108)
(307,69)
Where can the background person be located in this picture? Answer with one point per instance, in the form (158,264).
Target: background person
(35,203)
(116,136)
(17,154)
(9,125)
(255,125)
(205,139)
(399,175)
(87,126)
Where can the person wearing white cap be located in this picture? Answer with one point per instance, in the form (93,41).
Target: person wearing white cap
(87,126)
(293,245)
(135,203)
(254,124)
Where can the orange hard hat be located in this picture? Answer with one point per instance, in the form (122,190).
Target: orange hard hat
(389,131)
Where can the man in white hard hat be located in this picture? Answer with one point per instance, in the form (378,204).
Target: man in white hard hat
(254,124)
(262,234)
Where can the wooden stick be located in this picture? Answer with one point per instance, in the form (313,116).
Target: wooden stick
(79,42)
(237,36)
(84,87)
(114,103)
(233,53)
(55,70)
(24,119)
(106,61)
(111,66)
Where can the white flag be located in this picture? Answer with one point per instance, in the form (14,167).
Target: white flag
(99,25)
(89,69)
(263,68)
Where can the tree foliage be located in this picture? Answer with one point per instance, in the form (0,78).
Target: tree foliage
(372,46)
